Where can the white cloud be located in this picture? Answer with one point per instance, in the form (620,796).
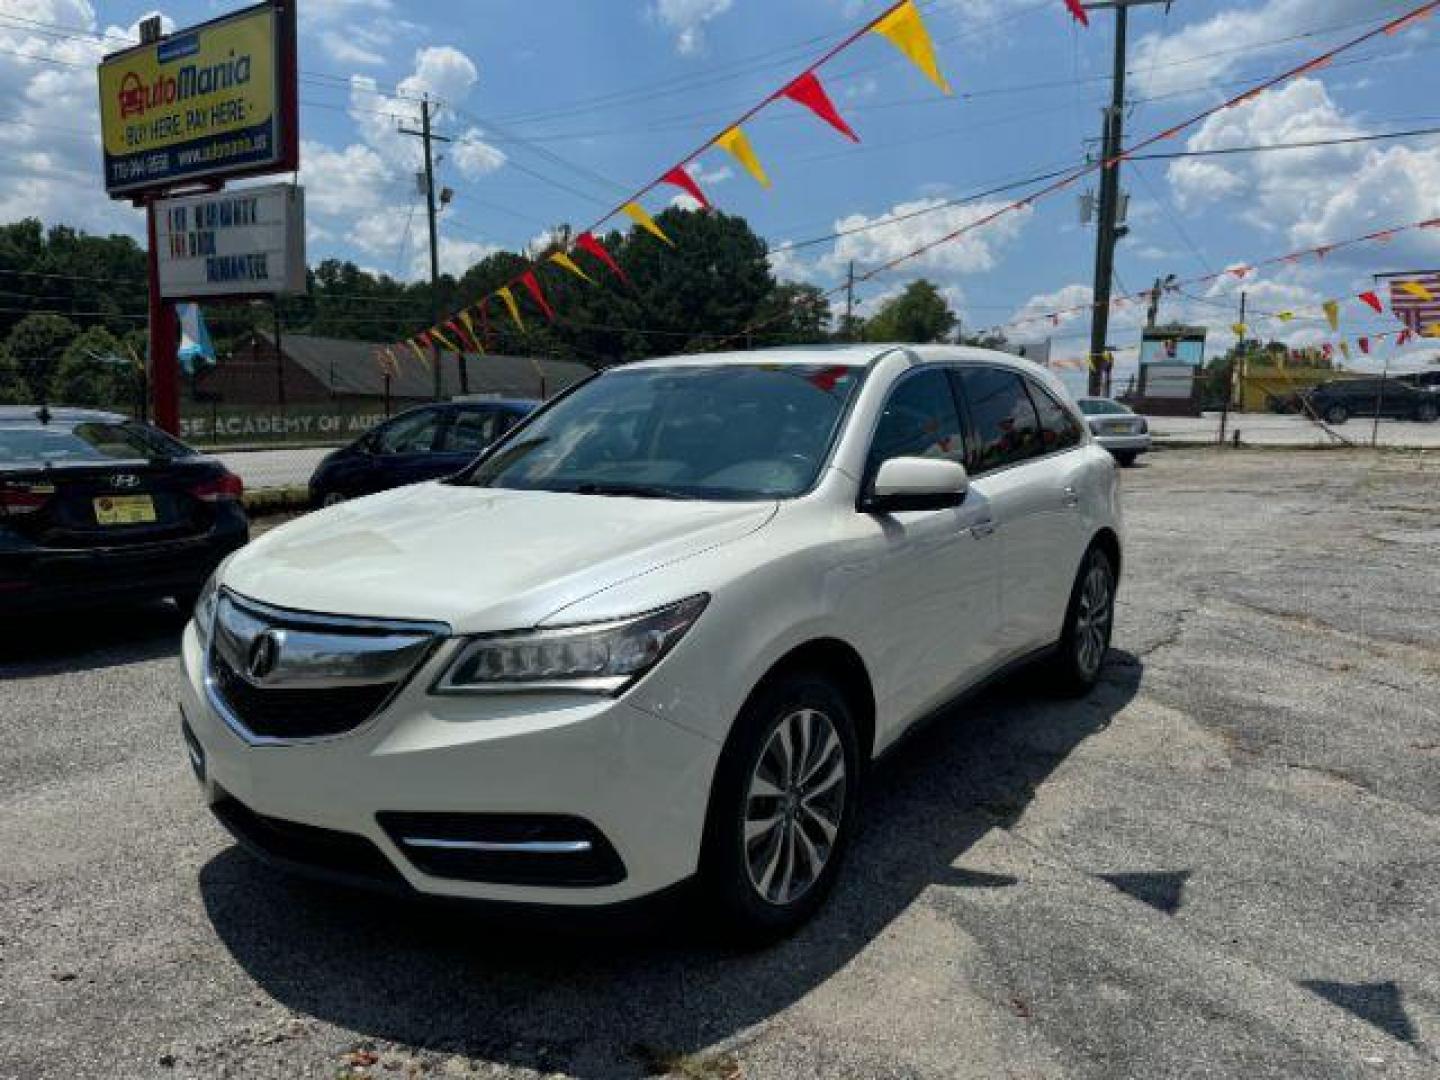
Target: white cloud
(1309,196)
(348,50)
(972,252)
(456,256)
(354,31)
(474,157)
(687,19)
(1214,49)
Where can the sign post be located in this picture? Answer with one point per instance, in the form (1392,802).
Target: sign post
(205,104)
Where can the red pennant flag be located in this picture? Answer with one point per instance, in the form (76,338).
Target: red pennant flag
(807,91)
(484,309)
(528,280)
(1433,223)
(1080,14)
(1240,271)
(1403,337)
(465,338)
(1364,344)
(1322,251)
(1373,300)
(686,183)
(1328,350)
(424,338)
(587,242)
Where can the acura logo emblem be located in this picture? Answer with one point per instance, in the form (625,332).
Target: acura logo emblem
(125,480)
(264,654)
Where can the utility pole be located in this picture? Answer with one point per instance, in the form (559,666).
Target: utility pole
(427,137)
(1108,232)
(850,302)
(1230,372)
(1152,311)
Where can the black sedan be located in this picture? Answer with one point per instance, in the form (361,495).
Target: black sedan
(96,508)
(423,443)
(1341,399)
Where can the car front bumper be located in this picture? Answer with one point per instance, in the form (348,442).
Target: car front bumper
(1135,444)
(595,769)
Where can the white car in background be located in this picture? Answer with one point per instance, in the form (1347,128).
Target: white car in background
(657,633)
(1116,427)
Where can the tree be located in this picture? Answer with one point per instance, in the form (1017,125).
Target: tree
(95,372)
(35,346)
(793,314)
(918,315)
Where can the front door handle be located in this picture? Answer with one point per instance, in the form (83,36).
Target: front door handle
(1072,497)
(982,529)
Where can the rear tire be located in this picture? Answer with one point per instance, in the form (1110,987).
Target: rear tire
(332,498)
(782,809)
(1126,458)
(1089,620)
(1337,414)
(1427,412)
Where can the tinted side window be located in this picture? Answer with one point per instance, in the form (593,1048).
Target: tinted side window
(413,434)
(1058,429)
(920,420)
(1006,427)
(472,430)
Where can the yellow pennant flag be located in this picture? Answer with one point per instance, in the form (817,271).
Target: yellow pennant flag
(1414,288)
(1433,330)
(636,213)
(904,29)
(506,295)
(442,339)
(737,144)
(1332,314)
(561,259)
(419,352)
(1345,349)
(1285,316)
(470,329)
(1239,329)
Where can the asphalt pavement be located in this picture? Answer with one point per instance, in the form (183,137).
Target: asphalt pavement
(1224,863)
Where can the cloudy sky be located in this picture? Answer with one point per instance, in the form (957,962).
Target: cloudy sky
(559,108)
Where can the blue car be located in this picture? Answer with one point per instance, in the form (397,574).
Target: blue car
(423,443)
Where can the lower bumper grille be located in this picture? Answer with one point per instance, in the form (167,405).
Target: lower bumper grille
(324,853)
(506,849)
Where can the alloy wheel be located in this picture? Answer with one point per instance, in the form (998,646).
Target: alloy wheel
(794,806)
(1092,620)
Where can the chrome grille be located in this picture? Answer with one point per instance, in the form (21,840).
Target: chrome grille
(277,675)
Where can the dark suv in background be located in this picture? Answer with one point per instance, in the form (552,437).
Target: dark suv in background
(1340,399)
(423,443)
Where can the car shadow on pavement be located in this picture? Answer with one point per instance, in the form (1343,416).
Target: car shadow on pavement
(91,638)
(447,982)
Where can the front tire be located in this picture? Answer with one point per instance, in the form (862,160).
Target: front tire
(1427,412)
(1337,414)
(783,808)
(1089,621)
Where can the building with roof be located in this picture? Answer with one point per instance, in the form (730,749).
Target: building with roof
(320,370)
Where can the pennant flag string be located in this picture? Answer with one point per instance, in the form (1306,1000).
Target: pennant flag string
(1077,10)
(807,91)
(737,145)
(564,261)
(680,177)
(637,214)
(509,298)
(586,242)
(533,286)
(904,29)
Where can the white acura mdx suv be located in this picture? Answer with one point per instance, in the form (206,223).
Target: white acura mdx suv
(657,633)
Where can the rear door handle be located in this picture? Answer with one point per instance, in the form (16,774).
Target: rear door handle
(1072,497)
(983,528)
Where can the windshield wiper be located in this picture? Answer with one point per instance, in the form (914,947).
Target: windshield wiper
(638,491)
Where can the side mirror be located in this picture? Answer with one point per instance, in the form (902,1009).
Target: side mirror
(915,483)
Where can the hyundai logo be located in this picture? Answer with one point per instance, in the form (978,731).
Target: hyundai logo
(264,654)
(125,480)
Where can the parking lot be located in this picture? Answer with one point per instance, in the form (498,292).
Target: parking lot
(1224,863)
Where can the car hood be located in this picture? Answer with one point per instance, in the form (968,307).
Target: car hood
(477,558)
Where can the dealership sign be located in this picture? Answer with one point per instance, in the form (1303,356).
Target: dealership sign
(243,242)
(214,100)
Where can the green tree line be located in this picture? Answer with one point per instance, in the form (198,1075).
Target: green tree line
(72,319)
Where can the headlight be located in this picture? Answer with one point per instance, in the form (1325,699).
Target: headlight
(207,602)
(598,658)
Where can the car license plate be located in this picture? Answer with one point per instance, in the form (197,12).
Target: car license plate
(1117,427)
(124,509)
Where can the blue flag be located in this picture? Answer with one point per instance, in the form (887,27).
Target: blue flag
(195,348)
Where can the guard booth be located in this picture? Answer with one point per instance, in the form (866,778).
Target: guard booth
(1172,359)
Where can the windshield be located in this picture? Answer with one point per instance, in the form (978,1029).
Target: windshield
(84,444)
(1101,407)
(732,431)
